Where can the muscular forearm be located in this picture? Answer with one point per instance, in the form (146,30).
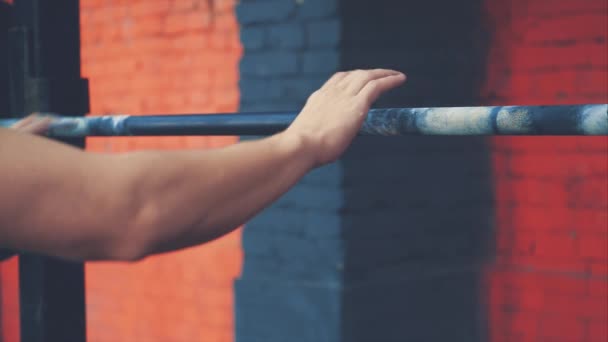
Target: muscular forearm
(64,202)
(58,200)
(193,197)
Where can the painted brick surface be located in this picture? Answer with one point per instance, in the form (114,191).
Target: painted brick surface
(147,57)
(390,240)
(9,299)
(365,232)
(290,285)
(503,238)
(549,280)
(293,310)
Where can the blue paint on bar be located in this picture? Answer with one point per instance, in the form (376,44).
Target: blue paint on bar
(509,120)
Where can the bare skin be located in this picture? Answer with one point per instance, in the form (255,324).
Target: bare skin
(61,201)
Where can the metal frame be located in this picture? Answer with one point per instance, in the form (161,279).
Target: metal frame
(44,75)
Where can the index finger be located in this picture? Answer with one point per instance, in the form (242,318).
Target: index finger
(357,80)
(373,89)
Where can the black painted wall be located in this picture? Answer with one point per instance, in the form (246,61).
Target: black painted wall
(5,20)
(5,23)
(418,215)
(386,244)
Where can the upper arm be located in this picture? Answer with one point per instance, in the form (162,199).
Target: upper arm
(57,199)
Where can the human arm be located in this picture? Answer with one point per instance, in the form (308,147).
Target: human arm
(61,201)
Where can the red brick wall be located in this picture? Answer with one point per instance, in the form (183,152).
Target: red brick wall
(9,301)
(159,56)
(551,276)
(145,57)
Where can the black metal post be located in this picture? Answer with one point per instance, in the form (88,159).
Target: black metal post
(44,73)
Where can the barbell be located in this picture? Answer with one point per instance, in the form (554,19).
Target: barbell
(584,119)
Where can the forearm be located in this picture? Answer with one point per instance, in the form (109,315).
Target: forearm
(61,201)
(192,197)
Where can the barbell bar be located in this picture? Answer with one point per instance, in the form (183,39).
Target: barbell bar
(584,119)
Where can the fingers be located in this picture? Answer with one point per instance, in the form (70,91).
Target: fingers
(373,89)
(34,124)
(39,126)
(24,122)
(335,79)
(356,80)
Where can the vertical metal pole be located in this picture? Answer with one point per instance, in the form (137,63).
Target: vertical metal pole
(44,75)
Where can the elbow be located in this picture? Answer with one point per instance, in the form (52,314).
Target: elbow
(110,247)
(117,247)
(128,239)
(135,218)
(126,255)
(134,241)
(121,249)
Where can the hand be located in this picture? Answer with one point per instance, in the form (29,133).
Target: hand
(34,124)
(334,114)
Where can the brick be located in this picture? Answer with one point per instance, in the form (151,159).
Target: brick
(300,89)
(575,307)
(537,264)
(320,61)
(259,89)
(590,193)
(269,63)
(555,9)
(268,106)
(308,197)
(592,148)
(325,33)
(185,22)
(594,247)
(524,243)
(222,23)
(598,289)
(563,328)
(286,36)
(537,192)
(527,217)
(291,304)
(297,222)
(522,323)
(225,6)
(252,38)
(250,12)
(547,86)
(581,26)
(545,158)
(599,269)
(145,9)
(556,245)
(317,8)
(597,331)
(561,284)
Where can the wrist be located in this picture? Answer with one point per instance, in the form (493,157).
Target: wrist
(300,147)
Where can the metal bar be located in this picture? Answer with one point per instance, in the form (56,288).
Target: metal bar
(591,119)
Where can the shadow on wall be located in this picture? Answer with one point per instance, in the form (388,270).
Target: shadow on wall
(418,211)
